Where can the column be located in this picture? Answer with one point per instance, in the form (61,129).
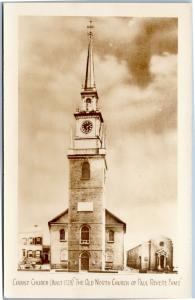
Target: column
(158,262)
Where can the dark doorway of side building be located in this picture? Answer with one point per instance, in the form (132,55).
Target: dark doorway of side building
(140,262)
(162,258)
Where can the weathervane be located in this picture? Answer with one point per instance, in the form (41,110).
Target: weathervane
(90,27)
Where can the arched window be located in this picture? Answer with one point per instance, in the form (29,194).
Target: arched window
(85,234)
(62,235)
(111,236)
(88,102)
(84,261)
(85,170)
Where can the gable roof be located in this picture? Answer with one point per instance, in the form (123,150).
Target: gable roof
(161,251)
(114,218)
(160,237)
(55,219)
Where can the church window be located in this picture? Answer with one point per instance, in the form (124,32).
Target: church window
(64,255)
(85,170)
(161,243)
(62,235)
(109,256)
(111,236)
(85,233)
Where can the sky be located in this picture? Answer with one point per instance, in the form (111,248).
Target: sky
(136,77)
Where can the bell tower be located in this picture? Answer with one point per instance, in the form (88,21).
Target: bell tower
(89,121)
(87,169)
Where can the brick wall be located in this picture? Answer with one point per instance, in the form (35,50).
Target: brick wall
(91,190)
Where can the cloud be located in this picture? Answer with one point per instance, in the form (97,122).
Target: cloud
(139,40)
(164,65)
(153,108)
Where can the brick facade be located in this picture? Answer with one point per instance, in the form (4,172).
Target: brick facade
(98,258)
(87,190)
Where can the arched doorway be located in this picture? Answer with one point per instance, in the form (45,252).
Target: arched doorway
(161,260)
(84,261)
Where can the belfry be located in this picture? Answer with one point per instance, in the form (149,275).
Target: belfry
(86,236)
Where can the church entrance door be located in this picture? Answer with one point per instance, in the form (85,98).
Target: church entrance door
(84,261)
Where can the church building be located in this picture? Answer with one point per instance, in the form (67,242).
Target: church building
(86,236)
(153,255)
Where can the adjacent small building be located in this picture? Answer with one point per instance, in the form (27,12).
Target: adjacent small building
(31,248)
(155,254)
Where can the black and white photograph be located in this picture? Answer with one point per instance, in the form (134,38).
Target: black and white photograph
(97,143)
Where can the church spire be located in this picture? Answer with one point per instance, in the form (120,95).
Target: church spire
(89,75)
(89,95)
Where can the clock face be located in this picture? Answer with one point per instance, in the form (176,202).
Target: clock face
(86,127)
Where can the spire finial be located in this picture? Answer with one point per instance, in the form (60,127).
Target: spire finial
(89,77)
(90,27)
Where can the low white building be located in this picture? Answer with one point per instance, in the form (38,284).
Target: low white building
(31,246)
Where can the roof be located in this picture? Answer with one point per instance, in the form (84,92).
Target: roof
(116,218)
(89,76)
(156,238)
(54,220)
(89,114)
(159,237)
(58,216)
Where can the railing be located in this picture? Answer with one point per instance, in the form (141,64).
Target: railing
(85,242)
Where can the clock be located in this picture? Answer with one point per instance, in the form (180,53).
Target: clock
(86,126)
